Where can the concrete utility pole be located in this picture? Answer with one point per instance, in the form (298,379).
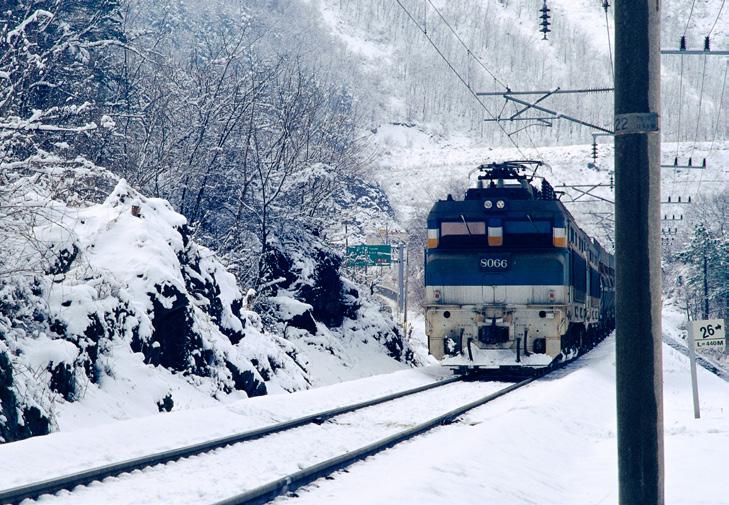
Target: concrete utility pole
(638,252)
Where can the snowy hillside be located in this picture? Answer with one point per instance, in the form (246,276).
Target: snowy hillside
(413,84)
(132,316)
(418,167)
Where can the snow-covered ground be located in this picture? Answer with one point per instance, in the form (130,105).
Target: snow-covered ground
(552,442)
(38,458)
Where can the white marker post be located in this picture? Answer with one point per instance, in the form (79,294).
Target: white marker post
(692,361)
(705,333)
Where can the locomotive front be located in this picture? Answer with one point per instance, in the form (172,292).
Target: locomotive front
(497,275)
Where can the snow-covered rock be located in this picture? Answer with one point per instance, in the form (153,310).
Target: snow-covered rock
(338,328)
(130,314)
(110,310)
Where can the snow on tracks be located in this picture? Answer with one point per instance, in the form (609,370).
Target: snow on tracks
(222,473)
(53,485)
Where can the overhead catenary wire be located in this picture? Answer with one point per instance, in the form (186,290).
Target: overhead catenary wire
(529,135)
(691,13)
(721,7)
(425,16)
(465,46)
(718,112)
(698,114)
(459,76)
(698,119)
(698,123)
(680,104)
(610,46)
(701,93)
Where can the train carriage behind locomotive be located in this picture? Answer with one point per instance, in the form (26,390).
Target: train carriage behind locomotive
(511,280)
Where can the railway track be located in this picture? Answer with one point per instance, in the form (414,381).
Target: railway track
(67,482)
(291,482)
(304,474)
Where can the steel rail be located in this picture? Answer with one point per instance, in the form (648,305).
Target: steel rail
(273,489)
(53,485)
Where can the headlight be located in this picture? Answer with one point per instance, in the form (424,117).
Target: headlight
(488,204)
(500,204)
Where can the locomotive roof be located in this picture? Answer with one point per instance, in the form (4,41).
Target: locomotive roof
(508,181)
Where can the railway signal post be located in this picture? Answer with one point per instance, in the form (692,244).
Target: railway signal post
(637,251)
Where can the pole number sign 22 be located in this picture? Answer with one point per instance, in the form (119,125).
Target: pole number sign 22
(709,333)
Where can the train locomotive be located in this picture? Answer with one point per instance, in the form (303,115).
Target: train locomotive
(511,281)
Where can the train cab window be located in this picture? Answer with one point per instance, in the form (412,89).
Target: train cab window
(530,226)
(527,233)
(463,228)
(463,234)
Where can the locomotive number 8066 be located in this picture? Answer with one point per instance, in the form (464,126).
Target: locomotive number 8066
(511,279)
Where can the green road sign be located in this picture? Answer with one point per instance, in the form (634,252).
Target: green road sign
(369,255)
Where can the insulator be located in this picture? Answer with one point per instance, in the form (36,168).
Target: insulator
(611,182)
(669,199)
(707,44)
(689,163)
(675,161)
(689,201)
(679,199)
(544,20)
(594,151)
(605,4)
(703,163)
(683,43)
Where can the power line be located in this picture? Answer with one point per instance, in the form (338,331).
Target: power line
(470,55)
(529,135)
(465,46)
(610,47)
(680,100)
(698,120)
(718,112)
(691,12)
(698,114)
(721,7)
(459,76)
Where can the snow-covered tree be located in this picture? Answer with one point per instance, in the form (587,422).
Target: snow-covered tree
(701,258)
(704,259)
(55,67)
